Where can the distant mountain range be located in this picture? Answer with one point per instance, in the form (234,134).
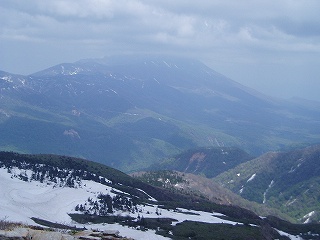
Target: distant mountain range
(131,111)
(74,194)
(157,113)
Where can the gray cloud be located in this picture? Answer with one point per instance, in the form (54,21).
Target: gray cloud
(234,37)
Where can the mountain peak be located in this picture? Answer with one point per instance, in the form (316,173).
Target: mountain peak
(67,69)
(190,106)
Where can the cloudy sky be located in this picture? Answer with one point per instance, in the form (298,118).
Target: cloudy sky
(272,46)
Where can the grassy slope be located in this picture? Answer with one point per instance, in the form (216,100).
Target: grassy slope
(206,188)
(287,181)
(207,161)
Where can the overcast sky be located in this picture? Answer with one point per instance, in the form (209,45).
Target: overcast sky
(272,45)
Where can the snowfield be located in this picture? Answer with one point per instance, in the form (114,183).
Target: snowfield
(21,200)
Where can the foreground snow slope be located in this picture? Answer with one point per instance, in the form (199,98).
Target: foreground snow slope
(21,200)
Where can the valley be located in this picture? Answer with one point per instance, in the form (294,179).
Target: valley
(285,182)
(157,147)
(131,111)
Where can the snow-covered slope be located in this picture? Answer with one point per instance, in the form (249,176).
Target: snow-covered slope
(30,190)
(37,190)
(21,200)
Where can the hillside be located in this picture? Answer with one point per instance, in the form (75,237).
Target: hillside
(288,181)
(203,187)
(209,161)
(64,192)
(130,111)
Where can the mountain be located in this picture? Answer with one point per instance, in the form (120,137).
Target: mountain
(72,193)
(288,181)
(130,111)
(209,161)
(203,187)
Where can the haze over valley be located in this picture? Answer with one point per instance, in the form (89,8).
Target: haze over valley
(159,120)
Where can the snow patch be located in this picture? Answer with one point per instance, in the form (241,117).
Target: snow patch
(252,177)
(308,216)
(224,152)
(76,71)
(166,64)
(4,113)
(293,169)
(291,237)
(72,133)
(150,198)
(7,79)
(290,202)
(156,80)
(265,193)
(23,81)
(114,91)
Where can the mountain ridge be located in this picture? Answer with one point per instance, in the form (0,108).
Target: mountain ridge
(185,104)
(38,182)
(285,180)
(207,161)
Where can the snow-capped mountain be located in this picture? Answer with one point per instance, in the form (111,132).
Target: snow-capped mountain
(37,189)
(10,83)
(130,111)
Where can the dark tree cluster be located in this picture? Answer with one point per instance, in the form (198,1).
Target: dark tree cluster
(44,173)
(105,204)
